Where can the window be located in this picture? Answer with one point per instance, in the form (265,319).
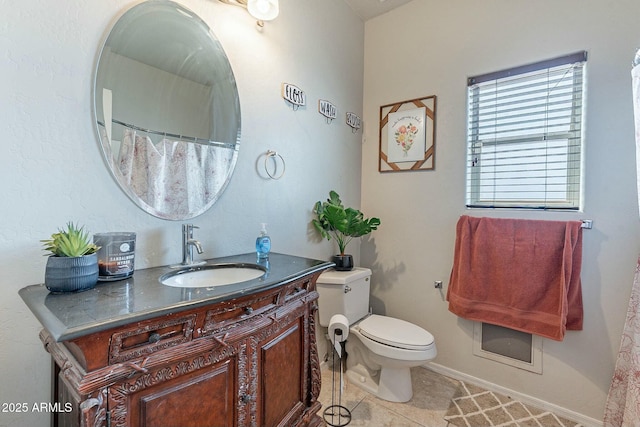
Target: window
(524,140)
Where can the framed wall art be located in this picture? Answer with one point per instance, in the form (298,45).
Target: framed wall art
(408,135)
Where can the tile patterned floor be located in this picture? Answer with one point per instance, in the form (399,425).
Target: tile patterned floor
(431,401)
(432,395)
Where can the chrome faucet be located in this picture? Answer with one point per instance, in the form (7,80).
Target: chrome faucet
(188,243)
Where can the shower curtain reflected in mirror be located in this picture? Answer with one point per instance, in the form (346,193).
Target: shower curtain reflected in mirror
(171,177)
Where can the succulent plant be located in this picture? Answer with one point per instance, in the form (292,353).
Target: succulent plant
(73,241)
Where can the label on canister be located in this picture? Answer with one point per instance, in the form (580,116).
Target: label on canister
(116,255)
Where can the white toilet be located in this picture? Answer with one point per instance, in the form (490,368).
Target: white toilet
(381,350)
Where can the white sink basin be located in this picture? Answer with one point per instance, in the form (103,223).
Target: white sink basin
(206,276)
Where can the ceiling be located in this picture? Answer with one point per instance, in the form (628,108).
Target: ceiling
(367,9)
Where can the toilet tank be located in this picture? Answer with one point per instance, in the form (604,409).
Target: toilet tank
(343,292)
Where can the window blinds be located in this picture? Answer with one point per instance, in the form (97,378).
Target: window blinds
(524,140)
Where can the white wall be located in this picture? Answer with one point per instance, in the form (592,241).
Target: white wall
(52,170)
(430,47)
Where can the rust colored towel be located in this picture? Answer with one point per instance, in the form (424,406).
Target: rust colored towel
(520,274)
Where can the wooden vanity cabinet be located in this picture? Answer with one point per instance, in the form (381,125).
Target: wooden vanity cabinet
(248,361)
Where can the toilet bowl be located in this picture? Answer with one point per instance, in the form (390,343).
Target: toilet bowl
(384,350)
(381,350)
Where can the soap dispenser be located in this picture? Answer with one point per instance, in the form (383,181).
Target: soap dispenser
(263,243)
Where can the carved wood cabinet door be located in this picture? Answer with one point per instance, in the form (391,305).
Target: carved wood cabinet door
(204,397)
(280,373)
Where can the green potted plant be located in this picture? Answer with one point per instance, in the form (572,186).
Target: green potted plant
(73,261)
(343,224)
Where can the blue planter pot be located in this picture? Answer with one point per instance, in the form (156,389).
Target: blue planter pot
(71,274)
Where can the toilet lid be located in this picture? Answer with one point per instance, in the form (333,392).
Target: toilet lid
(395,332)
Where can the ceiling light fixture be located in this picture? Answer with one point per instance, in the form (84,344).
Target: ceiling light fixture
(262,10)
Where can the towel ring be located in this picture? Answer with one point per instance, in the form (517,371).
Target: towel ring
(272,155)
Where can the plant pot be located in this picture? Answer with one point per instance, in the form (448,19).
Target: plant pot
(342,262)
(71,274)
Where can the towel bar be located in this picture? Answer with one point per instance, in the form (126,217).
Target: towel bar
(587,223)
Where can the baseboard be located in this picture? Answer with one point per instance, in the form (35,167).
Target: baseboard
(524,398)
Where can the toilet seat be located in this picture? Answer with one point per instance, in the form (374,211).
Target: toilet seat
(396,333)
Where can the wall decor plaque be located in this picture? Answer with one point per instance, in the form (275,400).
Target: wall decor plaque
(354,121)
(294,95)
(327,109)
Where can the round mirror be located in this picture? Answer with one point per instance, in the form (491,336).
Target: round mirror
(167,110)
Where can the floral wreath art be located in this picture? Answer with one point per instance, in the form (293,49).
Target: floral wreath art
(407,135)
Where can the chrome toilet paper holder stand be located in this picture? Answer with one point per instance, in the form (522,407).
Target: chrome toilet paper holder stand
(337,415)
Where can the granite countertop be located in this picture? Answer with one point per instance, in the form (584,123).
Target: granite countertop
(142,296)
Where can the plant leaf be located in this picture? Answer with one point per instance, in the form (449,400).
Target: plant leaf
(70,242)
(333,220)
